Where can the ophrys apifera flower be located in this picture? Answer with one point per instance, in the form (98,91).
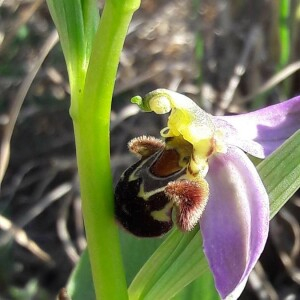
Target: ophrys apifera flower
(202,173)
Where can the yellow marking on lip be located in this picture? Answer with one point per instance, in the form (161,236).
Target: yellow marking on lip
(133,175)
(146,195)
(163,214)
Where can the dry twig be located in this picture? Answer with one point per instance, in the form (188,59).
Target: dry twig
(16,106)
(22,239)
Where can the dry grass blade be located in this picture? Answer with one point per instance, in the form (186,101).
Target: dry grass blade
(289,258)
(16,106)
(80,235)
(63,233)
(22,239)
(261,285)
(239,70)
(139,80)
(38,208)
(44,202)
(128,111)
(273,81)
(24,17)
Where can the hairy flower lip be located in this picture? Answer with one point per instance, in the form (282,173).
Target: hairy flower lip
(189,199)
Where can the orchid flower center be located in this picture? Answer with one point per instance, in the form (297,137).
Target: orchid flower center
(187,124)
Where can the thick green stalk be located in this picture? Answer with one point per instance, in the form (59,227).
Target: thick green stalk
(91,116)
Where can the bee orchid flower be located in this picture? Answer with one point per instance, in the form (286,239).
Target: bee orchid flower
(201,174)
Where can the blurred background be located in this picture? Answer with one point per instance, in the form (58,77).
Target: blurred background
(229,56)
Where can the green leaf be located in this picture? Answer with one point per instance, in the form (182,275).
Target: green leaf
(80,285)
(202,288)
(135,252)
(76,22)
(177,262)
(280,173)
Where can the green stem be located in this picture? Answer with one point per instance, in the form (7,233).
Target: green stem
(91,116)
(284,32)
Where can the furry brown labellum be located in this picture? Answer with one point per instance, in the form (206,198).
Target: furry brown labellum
(148,191)
(189,198)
